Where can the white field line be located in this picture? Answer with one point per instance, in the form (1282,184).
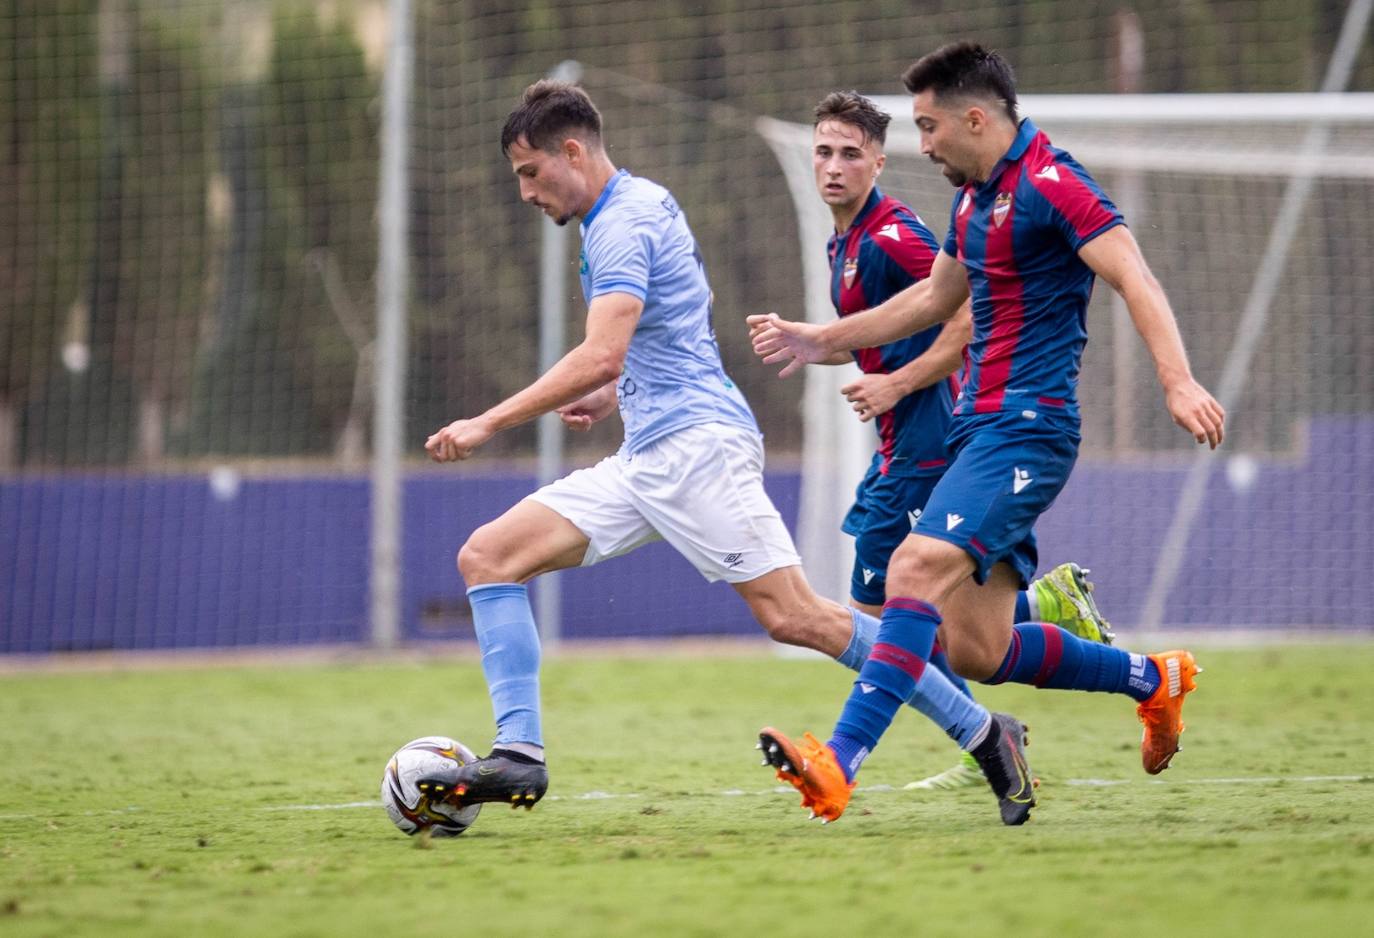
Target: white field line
(787,790)
(1249,780)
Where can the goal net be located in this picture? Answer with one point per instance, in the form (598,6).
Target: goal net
(217,215)
(1256,212)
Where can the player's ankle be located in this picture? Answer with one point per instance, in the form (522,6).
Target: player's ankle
(520,752)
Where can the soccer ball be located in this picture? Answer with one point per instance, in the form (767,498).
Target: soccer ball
(412,810)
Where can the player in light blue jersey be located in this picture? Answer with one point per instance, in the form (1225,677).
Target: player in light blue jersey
(690,470)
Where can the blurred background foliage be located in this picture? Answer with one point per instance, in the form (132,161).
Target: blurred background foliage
(188,190)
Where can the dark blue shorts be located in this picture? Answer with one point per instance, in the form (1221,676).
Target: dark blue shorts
(885,508)
(1007,470)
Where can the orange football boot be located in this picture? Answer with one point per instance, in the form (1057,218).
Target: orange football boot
(811,769)
(1162,714)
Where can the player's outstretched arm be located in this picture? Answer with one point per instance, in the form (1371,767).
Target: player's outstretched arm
(921,305)
(597,361)
(873,395)
(1115,257)
(761,323)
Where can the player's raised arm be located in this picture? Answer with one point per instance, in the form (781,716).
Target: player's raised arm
(594,363)
(921,305)
(1115,257)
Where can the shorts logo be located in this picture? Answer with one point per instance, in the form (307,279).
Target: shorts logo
(1020,478)
(914,516)
(953,521)
(867,688)
(868,576)
(1001,208)
(851,270)
(733,560)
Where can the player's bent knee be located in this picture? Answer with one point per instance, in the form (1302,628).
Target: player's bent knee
(480,560)
(921,570)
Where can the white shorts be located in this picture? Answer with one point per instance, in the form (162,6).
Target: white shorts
(700,489)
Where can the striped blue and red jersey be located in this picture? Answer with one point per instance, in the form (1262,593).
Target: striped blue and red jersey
(1018,235)
(886,249)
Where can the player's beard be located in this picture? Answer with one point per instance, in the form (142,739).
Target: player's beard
(956,178)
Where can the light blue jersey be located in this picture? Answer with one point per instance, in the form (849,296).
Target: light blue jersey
(635,240)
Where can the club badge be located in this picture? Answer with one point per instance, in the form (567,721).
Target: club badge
(1001,208)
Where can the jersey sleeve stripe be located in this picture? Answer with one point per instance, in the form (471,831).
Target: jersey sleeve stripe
(635,289)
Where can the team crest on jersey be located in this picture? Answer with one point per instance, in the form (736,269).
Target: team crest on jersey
(1001,208)
(851,270)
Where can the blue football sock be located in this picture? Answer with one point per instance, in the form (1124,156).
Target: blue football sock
(506,635)
(1048,656)
(866,634)
(1024,612)
(895,672)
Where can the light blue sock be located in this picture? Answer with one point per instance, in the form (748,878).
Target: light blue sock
(861,642)
(963,719)
(504,622)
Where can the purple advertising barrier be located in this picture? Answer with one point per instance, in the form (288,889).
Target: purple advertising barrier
(156,562)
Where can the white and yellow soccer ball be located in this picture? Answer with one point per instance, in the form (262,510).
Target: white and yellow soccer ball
(414,811)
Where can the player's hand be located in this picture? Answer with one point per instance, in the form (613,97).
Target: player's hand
(873,395)
(457,441)
(588,409)
(1196,411)
(781,340)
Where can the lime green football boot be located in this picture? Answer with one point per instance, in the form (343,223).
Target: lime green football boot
(1065,598)
(966,774)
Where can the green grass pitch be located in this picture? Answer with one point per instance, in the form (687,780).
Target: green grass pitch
(179,802)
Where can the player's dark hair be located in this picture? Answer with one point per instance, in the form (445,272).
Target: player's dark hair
(551,111)
(850,107)
(964,69)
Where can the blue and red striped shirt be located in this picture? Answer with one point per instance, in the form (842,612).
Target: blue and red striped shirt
(886,249)
(1018,235)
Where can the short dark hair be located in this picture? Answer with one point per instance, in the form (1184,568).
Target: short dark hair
(964,69)
(550,111)
(850,107)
